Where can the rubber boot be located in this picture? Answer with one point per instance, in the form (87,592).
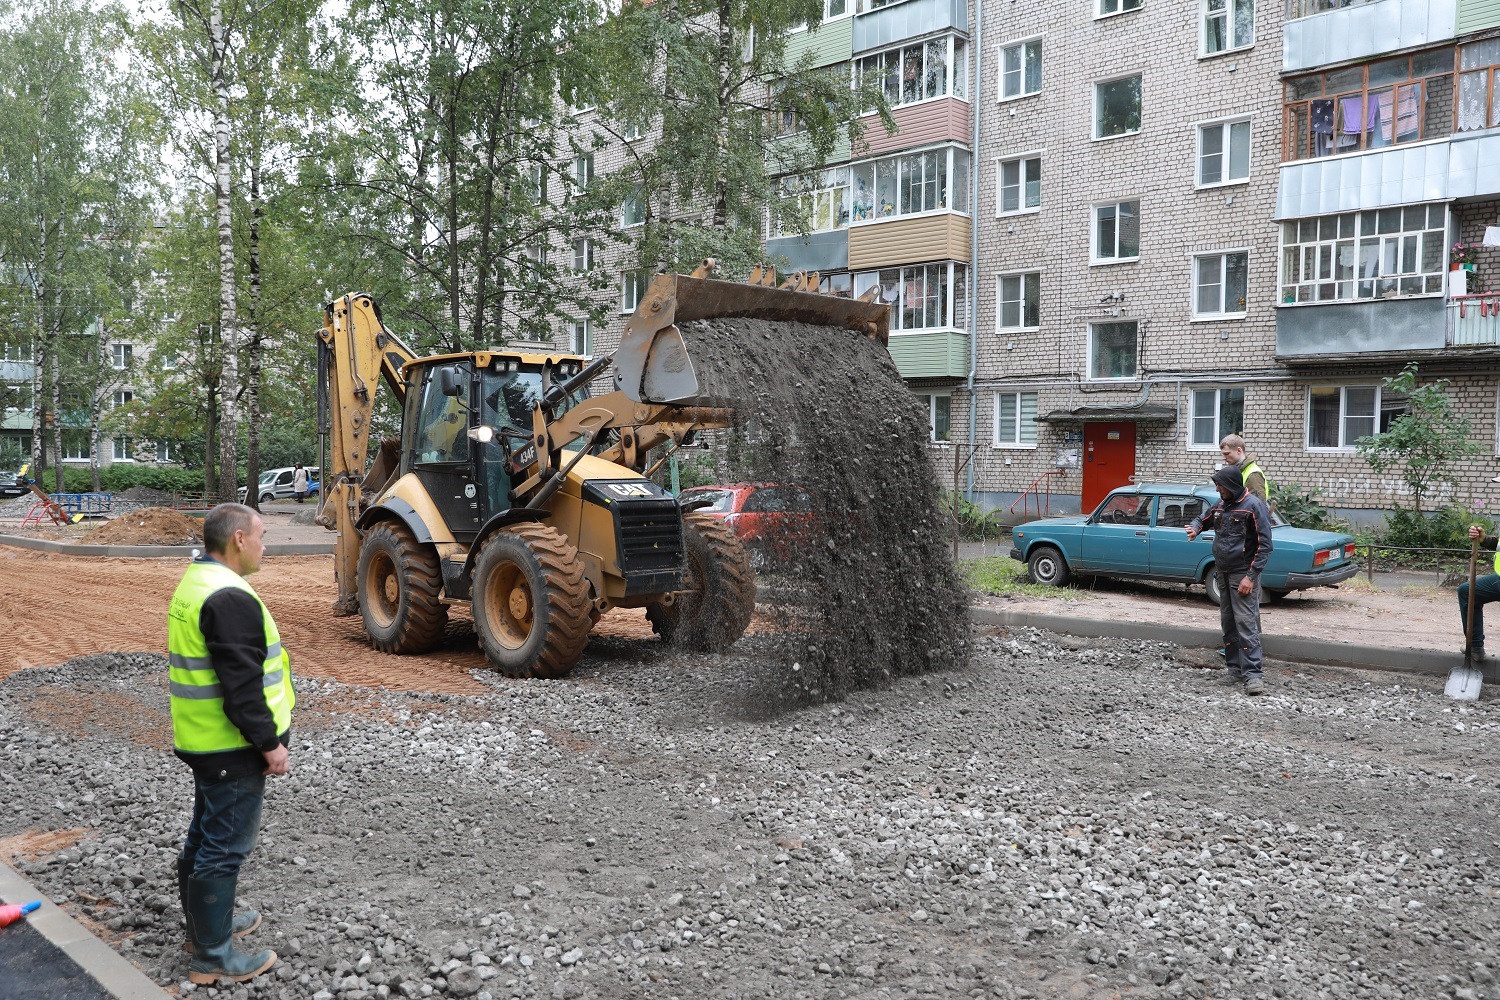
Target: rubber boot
(244,922)
(210,916)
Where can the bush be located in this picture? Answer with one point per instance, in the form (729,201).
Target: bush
(1302,509)
(117,478)
(964,516)
(1448,528)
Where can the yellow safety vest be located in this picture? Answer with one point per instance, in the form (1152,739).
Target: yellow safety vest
(1251,468)
(199,724)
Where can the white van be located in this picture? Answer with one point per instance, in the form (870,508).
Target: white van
(276,484)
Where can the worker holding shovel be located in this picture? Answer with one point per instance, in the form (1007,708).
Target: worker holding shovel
(1486,591)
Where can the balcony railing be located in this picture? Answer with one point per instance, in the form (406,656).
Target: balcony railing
(1474,320)
(1307,8)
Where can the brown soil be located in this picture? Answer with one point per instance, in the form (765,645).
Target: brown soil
(29,845)
(148,526)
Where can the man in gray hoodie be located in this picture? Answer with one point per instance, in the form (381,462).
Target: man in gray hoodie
(1241,524)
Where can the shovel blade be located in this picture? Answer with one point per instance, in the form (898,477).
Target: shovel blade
(1464,683)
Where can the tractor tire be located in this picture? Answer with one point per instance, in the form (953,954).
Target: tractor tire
(715,609)
(399,587)
(531,601)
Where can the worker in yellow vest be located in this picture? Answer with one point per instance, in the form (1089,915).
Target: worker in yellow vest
(1486,591)
(1232,449)
(231,697)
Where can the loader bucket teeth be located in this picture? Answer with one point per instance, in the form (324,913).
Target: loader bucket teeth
(653,363)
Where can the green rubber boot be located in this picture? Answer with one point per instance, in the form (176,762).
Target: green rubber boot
(245,921)
(210,908)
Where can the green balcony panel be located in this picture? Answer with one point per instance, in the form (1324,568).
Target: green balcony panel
(939,354)
(1478,15)
(831,43)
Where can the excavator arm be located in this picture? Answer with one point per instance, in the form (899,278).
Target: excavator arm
(355,351)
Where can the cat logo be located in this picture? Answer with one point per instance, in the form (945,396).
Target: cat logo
(630,489)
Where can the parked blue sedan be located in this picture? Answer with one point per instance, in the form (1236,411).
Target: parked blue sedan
(1137,532)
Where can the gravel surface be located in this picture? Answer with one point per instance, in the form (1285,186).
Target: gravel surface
(1061,819)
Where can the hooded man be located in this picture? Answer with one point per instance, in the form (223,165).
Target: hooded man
(1241,524)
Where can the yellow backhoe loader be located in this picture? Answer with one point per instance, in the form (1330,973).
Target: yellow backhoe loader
(512,488)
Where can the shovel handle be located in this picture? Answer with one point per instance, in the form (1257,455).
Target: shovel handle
(1469,621)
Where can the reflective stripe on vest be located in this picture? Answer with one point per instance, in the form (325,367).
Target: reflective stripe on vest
(1497,561)
(199,724)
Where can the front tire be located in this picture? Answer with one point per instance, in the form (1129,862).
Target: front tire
(531,601)
(1211,586)
(399,586)
(267,497)
(716,608)
(1047,566)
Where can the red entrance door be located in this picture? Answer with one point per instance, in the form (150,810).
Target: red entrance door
(1108,460)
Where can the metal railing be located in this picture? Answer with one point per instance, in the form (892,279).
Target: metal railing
(1452,570)
(1043,499)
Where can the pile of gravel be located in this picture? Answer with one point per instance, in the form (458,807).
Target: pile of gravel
(1063,819)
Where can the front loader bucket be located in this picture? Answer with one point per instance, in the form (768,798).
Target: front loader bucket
(653,365)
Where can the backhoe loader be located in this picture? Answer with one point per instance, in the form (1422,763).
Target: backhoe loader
(514,489)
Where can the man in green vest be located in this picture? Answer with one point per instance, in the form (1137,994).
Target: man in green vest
(1232,448)
(1486,591)
(231,697)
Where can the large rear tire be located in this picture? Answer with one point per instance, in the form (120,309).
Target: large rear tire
(400,583)
(716,607)
(531,601)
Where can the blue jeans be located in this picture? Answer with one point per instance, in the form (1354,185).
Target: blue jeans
(226,824)
(1239,618)
(1486,591)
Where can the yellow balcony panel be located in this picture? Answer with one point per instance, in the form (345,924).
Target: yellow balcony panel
(939,236)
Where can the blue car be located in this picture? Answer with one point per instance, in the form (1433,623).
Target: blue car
(1137,532)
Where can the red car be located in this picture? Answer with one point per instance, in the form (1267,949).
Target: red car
(770,518)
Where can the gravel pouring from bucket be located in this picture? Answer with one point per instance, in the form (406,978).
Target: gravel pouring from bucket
(1465,681)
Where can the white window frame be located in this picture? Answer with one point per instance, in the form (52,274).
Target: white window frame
(586,245)
(1344,446)
(1017,443)
(1094,107)
(932,408)
(1201,317)
(1021,159)
(1362,235)
(955,278)
(632,287)
(163,450)
(1088,371)
(585,326)
(632,133)
(535,254)
(77,453)
(120,450)
(829,194)
(121,356)
(956,186)
(1000,301)
(1120,8)
(1225,125)
(1219,432)
(955,76)
(1096,261)
(123,397)
(1203,52)
(583,164)
(1020,43)
(636,197)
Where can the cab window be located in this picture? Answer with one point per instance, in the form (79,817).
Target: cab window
(442,430)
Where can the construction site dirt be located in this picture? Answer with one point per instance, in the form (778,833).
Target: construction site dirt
(1062,818)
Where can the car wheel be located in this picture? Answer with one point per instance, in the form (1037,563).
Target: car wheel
(267,497)
(1047,566)
(1211,586)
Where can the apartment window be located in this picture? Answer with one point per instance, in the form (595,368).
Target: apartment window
(1020,185)
(939,414)
(1339,415)
(1015,420)
(633,212)
(169,361)
(1108,7)
(1020,295)
(121,355)
(123,397)
(1478,83)
(1112,350)
(535,255)
(583,169)
(1217,413)
(930,181)
(841,285)
(122,450)
(581,336)
(822,201)
(632,287)
(1223,153)
(1117,107)
(75,446)
(917,72)
(632,132)
(1227,24)
(1219,282)
(536,184)
(583,255)
(834,8)
(1117,232)
(923,297)
(1021,69)
(164,450)
(1370,106)
(1384,253)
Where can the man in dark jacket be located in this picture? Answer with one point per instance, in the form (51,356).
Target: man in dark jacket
(1241,523)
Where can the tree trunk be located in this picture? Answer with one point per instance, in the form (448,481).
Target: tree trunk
(210,448)
(94,448)
(229,333)
(252,391)
(54,402)
(452,196)
(39,370)
(721,118)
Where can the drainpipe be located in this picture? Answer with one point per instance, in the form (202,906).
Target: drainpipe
(976,47)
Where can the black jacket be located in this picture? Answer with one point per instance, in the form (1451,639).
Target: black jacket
(1242,534)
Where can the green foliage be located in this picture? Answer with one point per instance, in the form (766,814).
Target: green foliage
(117,478)
(1003,576)
(964,516)
(1447,528)
(1424,442)
(1302,508)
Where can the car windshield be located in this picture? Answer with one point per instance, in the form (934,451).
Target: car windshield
(723,500)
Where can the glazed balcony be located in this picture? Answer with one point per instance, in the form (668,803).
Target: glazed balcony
(1322,32)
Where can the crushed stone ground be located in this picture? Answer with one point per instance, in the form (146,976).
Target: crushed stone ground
(1061,819)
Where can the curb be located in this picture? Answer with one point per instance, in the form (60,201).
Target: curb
(1429,662)
(153,551)
(111,971)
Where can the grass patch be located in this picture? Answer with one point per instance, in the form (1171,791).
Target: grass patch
(1004,577)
